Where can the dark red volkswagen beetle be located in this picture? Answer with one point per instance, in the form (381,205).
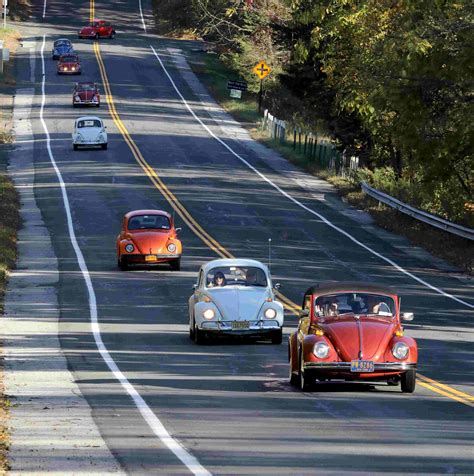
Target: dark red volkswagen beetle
(352,331)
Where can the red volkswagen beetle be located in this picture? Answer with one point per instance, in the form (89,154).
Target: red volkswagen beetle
(148,237)
(69,64)
(97,29)
(86,94)
(352,331)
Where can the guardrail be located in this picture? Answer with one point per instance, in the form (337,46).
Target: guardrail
(432,220)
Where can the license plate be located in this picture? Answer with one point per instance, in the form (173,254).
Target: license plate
(240,324)
(150,258)
(362,366)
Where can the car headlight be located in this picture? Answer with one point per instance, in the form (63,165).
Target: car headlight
(400,350)
(77,98)
(73,68)
(79,138)
(100,138)
(171,247)
(129,248)
(321,350)
(209,314)
(270,313)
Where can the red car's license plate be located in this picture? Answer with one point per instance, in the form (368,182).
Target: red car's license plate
(362,366)
(150,258)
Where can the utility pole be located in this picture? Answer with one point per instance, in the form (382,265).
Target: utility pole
(5,3)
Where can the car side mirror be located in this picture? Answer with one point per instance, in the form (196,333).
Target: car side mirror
(277,286)
(303,313)
(407,316)
(177,229)
(195,287)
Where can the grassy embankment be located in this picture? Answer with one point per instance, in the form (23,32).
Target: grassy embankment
(214,74)
(9,211)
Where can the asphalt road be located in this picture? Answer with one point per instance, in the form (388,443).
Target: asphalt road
(228,403)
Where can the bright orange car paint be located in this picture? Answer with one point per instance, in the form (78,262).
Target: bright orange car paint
(148,237)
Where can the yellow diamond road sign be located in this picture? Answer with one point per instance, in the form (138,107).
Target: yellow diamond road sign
(262,69)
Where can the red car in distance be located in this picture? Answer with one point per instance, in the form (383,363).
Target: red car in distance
(352,332)
(97,29)
(148,237)
(86,94)
(69,64)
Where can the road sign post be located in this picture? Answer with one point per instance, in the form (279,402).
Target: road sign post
(262,70)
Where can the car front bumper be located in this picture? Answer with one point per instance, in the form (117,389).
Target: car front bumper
(141,259)
(85,103)
(225,328)
(345,368)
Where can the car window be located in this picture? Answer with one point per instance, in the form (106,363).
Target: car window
(88,123)
(86,87)
(149,222)
(236,275)
(69,59)
(95,24)
(62,43)
(333,305)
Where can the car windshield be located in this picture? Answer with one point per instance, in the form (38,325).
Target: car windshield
(62,43)
(88,123)
(86,87)
(334,305)
(236,276)
(149,222)
(69,59)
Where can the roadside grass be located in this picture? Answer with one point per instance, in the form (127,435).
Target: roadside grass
(214,74)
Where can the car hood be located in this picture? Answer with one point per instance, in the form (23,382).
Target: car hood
(85,95)
(89,133)
(364,338)
(150,242)
(239,302)
(88,30)
(68,64)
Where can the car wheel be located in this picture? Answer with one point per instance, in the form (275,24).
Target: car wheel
(304,383)
(408,381)
(191,330)
(199,335)
(75,146)
(97,105)
(112,35)
(277,337)
(293,378)
(104,146)
(123,264)
(176,264)
(97,36)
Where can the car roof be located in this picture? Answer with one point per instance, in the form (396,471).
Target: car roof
(134,213)
(233,262)
(84,83)
(348,286)
(89,118)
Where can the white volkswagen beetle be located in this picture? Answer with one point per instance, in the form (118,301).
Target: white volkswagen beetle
(89,131)
(235,297)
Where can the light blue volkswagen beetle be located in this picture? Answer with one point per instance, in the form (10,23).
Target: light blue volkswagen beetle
(235,297)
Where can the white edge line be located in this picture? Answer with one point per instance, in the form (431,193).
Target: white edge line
(152,420)
(44,9)
(294,200)
(141,14)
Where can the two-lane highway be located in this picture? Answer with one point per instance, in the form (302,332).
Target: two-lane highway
(228,403)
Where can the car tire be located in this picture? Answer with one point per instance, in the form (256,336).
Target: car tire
(277,337)
(199,336)
(176,264)
(191,330)
(123,264)
(303,382)
(75,146)
(112,35)
(104,146)
(96,36)
(408,381)
(97,105)
(292,377)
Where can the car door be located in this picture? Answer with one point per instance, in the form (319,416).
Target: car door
(194,297)
(103,29)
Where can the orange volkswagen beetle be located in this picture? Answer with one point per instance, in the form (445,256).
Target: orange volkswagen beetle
(148,237)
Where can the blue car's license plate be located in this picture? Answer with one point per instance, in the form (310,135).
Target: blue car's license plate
(362,366)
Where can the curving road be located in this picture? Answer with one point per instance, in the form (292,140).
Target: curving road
(228,404)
